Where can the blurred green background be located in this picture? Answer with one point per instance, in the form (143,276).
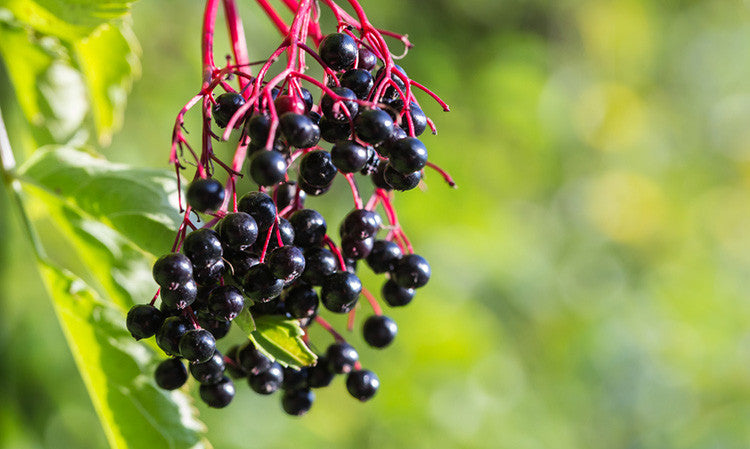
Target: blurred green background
(590,274)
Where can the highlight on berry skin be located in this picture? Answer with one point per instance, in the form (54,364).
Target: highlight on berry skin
(262,253)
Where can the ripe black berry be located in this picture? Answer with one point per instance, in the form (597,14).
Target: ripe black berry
(362,384)
(287,193)
(378,177)
(258,128)
(354,248)
(333,109)
(367,59)
(340,291)
(390,92)
(313,190)
(301,301)
(360,81)
(395,295)
(349,157)
(218,328)
(299,130)
(261,207)
(341,357)
(295,379)
(225,302)
(144,321)
(333,131)
(297,402)
(408,155)
(319,264)
(197,345)
(320,375)
(379,331)
(226,105)
(360,224)
(286,263)
(205,195)
(240,262)
(373,125)
(171,269)
(202,246)
(383,256)
(179,296)
(268,381)
(169,334)
(400,181)
(218,395)
(289,103)
(209,372)
(317,168)
(238,230)
(170,374)
(267,167)
(338,51)
(309,227)
(412,271)
(261,285)
(251,360)
(210,274)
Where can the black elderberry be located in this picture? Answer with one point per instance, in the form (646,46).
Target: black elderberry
(383,256)
(379,331)
(297,402)
(261,207)
(294,379)
(412,271)
(384,149)
(301,301)
(373,125)
(286,263)
(267,381)
(407,155)
(218,328)
(258,128)
(349,156)
(225,302)
(313,190)
(341,357)
(333,109)
(285,230)
(179,296)
(289,103)
(367,59)
(205,195)
(211,274)
(170,374)
(360,224)
(307,98)
(261,285)
(378,177)
(309,227)
(267,167)
(315,117)
(171,269)
(395,295)
(340,292)
(240,262)
(202,246)
(360,81)
(238,230)
(316,168)
(418,119)
(197,345)
(320,375)
(144,320)
(171,331)
(209,372)
(362,384)
(338,51)
(390,92)
(333,131)
(399,181)
(226,105)
(299,130)
(371,165)
(354,248)
(272,307)
(319,264)
(218,395)
(251,360)
(288,193)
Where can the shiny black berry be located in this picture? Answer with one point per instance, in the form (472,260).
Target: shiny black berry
(297,402)
(309,227)
(383,256)
(362,384)
(354,248)
(286,263)
(179,296)
(208,275)
(171,331)
(202,247)
(205,195)
(301,301)
(267,167)
(197,345)
(144,320)
(319,264)
(373,125)
(288,193)
(349,156)
(171,269)
(225,302)
(333,131)
(333,108)
(317,169)
(261,285)
(261,207)
(320,375)
(251,360)
(267,381)
(341,357)
(218,395)
(412,271)
(170,374)
(340,292)
(218,328)
(360,81)
(367,59)
(226,105)
(299,130)
(209,372)
(408,155)
(379,331)
(238,230)
(399,181)
(360,224)
(338,51)
(395,295)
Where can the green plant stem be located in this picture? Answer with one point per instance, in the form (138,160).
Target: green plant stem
(7,168)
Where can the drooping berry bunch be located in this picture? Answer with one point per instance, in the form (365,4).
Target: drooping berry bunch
(266,255)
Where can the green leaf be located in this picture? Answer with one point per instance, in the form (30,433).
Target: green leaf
(245,319)
(281,339)
(135,413)
(139,203)
(108,59)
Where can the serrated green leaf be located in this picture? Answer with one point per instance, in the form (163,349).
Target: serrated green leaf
(281,338)
(108,59)
(135,413)
(139,203)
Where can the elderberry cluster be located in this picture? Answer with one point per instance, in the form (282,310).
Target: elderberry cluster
(275,257)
